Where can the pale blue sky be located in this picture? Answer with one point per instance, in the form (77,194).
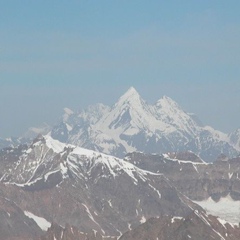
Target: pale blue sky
(56,54)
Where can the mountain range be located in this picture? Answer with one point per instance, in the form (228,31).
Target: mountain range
(131,171)
(53,190)
(69,185)
(132,124)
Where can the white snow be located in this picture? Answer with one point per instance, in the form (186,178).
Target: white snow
(217,134)
(139,116)
(91,216)
(49,173)
(226,208)
(64,169)
(131,116)
(55,145)
(69,128)
(41,222)
(222,221)
(110,203)
(29,150)
(195,167)
(154,189)
(167,157)
(143,220)
(176,218)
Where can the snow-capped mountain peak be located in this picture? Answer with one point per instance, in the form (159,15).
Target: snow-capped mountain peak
(131,97)
(168,111)
(167,103)
(132,124)
(130,110)
(93,113)
(130,93)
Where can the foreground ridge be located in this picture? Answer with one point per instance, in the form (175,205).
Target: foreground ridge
(64,191)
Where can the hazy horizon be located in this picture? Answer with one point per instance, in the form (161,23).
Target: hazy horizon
(74,54)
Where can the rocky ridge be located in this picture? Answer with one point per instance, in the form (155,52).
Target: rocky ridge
(68,192)
(65,184)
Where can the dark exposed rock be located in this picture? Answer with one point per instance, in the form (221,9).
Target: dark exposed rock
(72,233)
(14,224)
(88,190)
(94,195)
(193,177)
(196,226)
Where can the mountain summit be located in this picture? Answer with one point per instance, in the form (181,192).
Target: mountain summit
(130,94)
(132,124)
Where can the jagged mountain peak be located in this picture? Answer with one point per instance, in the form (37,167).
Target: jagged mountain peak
(94,112)
(96,107)
(129,111)
(130,97)
(52,157)
(168,111)
(131,92)
(132,124)
(166,103)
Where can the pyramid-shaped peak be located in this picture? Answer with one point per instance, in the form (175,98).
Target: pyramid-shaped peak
(131,92)
(130,96)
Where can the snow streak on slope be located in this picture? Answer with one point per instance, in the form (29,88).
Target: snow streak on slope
(41,222)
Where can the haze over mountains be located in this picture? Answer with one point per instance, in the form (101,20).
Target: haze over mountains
(132,124)
(130,171)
